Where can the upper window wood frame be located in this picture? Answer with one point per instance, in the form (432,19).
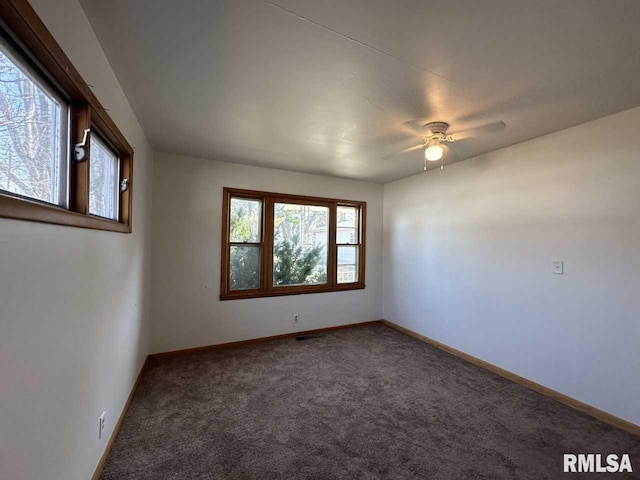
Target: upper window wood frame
(20,25)
(267,288)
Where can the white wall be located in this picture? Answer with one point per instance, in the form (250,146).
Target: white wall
(74,304)
(187,233)
(468,254)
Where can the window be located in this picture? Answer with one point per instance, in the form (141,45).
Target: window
(300,244)
(104,175)
(348,241)
(245,240)
(34,121)
(277,244)
(62,159)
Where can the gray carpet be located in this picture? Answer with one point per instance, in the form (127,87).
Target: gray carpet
(361,403)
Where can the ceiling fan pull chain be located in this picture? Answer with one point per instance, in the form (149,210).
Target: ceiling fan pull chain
(442,163)
(425,164)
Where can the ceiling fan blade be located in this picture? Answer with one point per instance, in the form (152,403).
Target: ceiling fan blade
(481,130)
(414,126)
(410,149)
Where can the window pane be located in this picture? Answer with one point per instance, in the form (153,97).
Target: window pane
(245,220)
(347,264)
(33,134)
(244,267)
(300,244)
(347,225)
(104,180)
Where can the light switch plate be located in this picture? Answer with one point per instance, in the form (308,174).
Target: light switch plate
(558,267)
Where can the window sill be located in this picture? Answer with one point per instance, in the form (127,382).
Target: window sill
(22,209)
(284,291)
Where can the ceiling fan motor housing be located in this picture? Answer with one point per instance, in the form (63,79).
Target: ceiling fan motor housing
(436,128)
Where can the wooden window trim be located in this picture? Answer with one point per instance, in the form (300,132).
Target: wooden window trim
(25,27)
(267,289)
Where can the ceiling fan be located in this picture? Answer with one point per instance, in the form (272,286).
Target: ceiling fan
(434,136)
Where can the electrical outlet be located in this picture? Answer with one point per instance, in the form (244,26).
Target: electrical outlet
(101,424)
(558,267)
(296,318)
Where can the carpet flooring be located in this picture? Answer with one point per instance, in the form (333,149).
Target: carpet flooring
(361,403)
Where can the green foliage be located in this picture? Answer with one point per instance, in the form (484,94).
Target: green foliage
(245,268)
(240,230)
(245,219)
(295,264)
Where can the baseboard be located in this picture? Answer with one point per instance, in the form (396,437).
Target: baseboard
(116,429)
(536,387)
(241,343)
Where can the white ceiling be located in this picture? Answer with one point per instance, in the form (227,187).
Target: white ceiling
(328,86)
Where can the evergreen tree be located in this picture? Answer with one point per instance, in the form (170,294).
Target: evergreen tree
(245,268)
(295,264)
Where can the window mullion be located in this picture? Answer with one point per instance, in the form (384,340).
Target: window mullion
(126,172)
(79,171)
(267,244)
(332,267)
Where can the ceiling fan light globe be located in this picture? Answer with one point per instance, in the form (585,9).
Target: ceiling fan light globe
(434,153)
